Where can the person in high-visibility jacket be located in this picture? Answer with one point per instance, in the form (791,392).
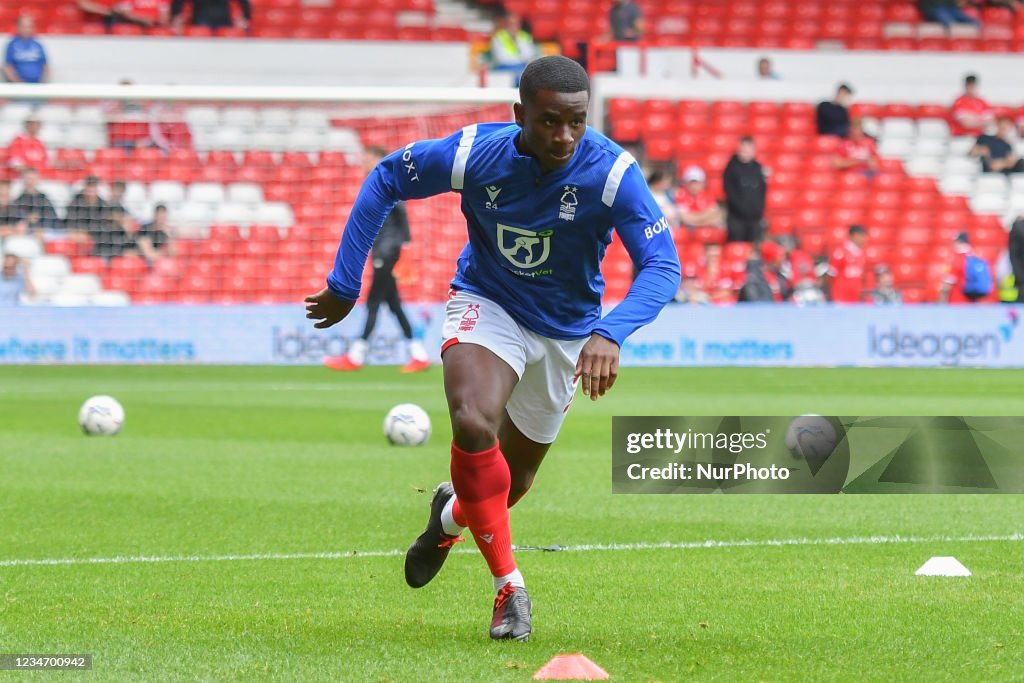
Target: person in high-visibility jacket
(512,46)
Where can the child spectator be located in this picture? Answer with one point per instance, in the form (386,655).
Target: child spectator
(885,292)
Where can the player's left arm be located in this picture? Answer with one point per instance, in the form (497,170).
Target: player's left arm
(645,233)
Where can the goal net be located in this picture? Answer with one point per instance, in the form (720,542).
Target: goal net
(146,195)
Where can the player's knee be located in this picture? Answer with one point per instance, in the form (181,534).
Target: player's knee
(472,431)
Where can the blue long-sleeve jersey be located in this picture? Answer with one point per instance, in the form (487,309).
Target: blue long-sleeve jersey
(536,240)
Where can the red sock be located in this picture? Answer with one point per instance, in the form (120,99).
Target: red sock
(482,482)
(460,517)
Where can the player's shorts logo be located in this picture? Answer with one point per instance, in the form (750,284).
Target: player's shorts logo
(524,248)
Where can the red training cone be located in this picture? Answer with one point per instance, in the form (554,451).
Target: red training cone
(571,668)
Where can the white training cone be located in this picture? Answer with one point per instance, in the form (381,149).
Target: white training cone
(943,566)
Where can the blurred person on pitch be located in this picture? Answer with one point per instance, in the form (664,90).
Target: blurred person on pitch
(35,207)
(847,267)
(745,192)
(213,14)
(885,291)
(524,323)
(512,47)
(387,249)
(25,59)
(14,281)
(968,277)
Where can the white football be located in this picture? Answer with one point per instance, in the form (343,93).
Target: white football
(407,425)
(811,437)
(101,416)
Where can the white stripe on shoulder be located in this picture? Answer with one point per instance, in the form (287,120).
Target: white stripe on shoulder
(462,157)
(611,186)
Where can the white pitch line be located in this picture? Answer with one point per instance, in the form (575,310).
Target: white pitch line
(601,547)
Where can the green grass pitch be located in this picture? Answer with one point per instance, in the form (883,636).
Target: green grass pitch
(222,462)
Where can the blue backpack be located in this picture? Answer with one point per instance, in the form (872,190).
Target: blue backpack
(977,277)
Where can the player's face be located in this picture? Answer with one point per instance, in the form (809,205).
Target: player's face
(553,124)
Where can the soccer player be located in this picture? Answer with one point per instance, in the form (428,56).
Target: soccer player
(541,197)
(383,288)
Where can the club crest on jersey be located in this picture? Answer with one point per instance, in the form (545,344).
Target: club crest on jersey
(567,210)
(524,248)
(492,191)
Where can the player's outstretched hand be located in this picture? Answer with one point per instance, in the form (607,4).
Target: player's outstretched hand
(598,365)
(327,308)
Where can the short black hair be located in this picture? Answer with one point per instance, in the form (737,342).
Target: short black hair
(970,79)
(555,73)
(159,207)
(119,183)
(747,138)
(844,86)
(857,230)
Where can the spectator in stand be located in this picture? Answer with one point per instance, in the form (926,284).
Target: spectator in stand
(765,72)
(213,14)
(798,269)
(113,236)
(970,114)
(627,21)
(847,267)
(664,194)
(691,286)
(697,206)
(512,47)
(14,281)
(773,256)
(27,149)
(857,152)
(885,292)
(34,206)
(834,116)
(117,190)
(945,12)
(145,13)
(996,151)
(89,216)
(745,192)
(153,240)
(968,277)
(25,59)
(11,222)
(1015,249)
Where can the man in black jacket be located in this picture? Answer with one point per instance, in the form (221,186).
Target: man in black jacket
(745,190)
(384,288)
(212,13)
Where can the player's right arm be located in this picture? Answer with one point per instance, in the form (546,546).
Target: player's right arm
(419,170)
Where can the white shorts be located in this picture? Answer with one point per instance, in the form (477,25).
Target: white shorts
(545,366)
